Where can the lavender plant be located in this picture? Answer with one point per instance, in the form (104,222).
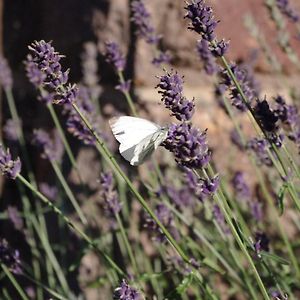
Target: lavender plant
(178,227)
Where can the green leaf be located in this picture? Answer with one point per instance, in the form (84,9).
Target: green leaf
(274,257)
(181,288)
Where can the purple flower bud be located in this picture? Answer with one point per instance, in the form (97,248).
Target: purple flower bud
(10,130)
(6,79)
(206,57)
(240,187)
(181,197)
(201,19)
(188,144)
(50,149)
(109,195)
(194,184)
(287,10)
(9,168)
(126,292)
(10,257)
(220,48)
(171,88)
(142,20)
(15,218)
(210,186)
(114,56)
(256,210)
(49,191)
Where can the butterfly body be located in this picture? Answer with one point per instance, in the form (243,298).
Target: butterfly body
(138,137)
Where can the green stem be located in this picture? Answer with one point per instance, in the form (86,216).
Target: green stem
(64,139)
(228,217)
(127,244)
(70,224)
(68,191)
(12,279)
(109,157)
(127,96)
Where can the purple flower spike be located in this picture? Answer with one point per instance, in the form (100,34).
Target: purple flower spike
(142,20)
(261,242)
(161,58)
(114,56)
(124,87)
(201,19)
(50,149)
(259,147)
(241,188)
(15,218)
(9,167)
(287,10)
(44,70)
(109,195)
(165,217)
(206,57)
(10,257)
(5,74)
(220,48)
(188,144)
(126,292)
(171,88)
(10,130)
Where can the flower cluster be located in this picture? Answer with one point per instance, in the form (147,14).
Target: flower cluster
(9,167)
(171,88)
(205,54)
(6,79)
(201,19)
(50,149)
(126,292)
(246,83)
(145,30)
(165,217)
(287,10)
(10,257)
(181,197)
(89,66)
(114,56)
(44,70)
(188,144)
(108,195)
(290,117)
(236,139)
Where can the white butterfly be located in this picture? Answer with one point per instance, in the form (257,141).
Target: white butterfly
(138,137)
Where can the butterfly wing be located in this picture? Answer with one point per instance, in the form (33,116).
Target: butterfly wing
(138,137)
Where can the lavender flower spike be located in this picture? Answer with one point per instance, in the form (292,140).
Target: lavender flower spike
(171,88)
(114,56)
(142,20)
(287,10)
(10,257)
(126,292)
(188,144)
(206,57)
(201,19)
(9,167)
(44,70)
(5,74)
